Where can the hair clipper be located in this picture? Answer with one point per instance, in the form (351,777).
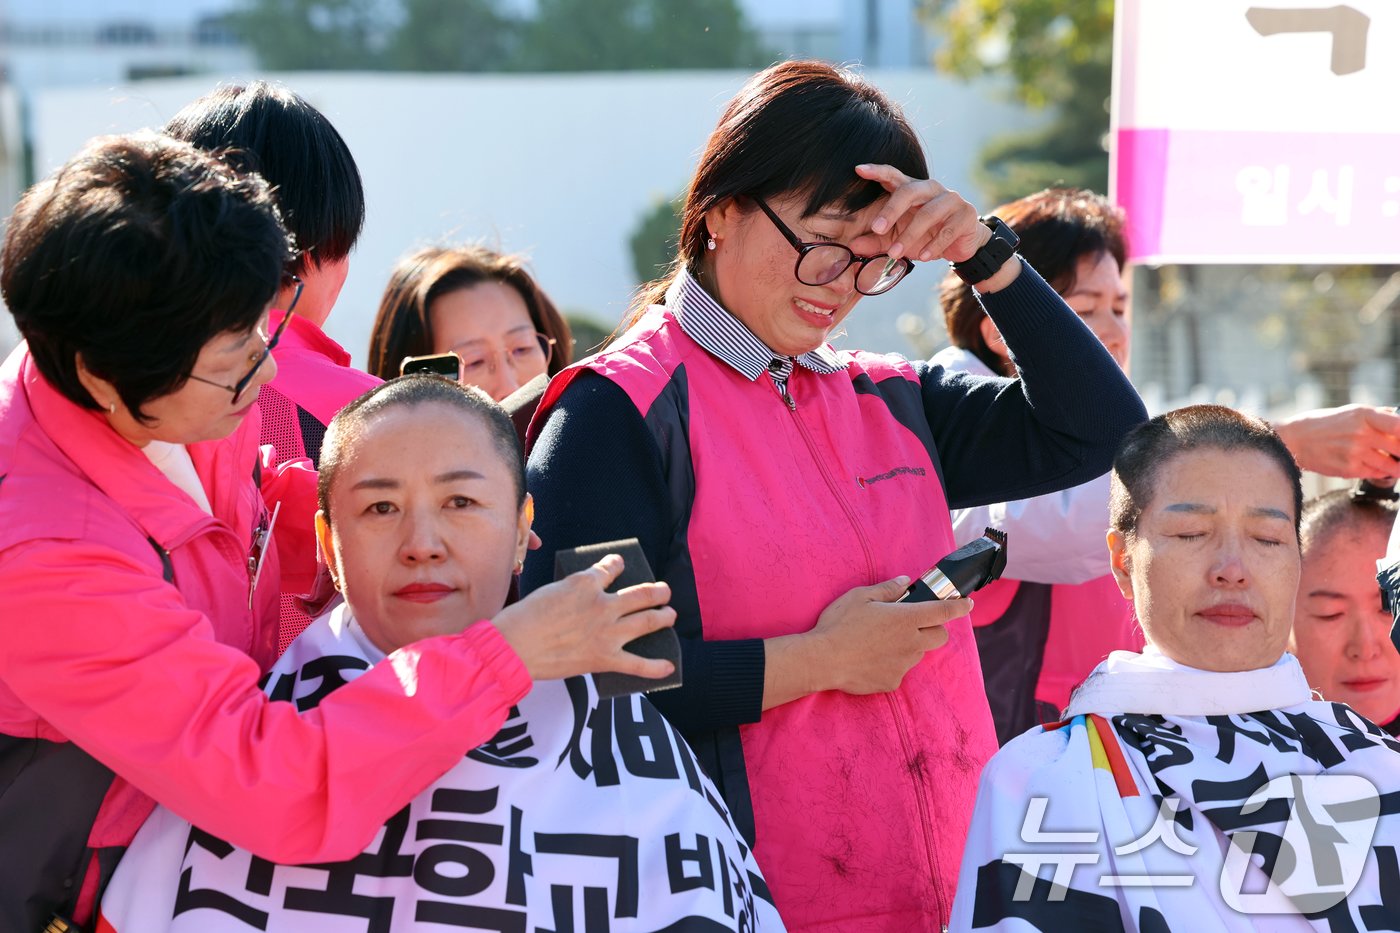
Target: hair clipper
(962,572)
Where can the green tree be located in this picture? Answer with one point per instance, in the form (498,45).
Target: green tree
(1059,56)
(616,35)
(291,35)
(453,35)
(589,333)
(655,239)
(478,35)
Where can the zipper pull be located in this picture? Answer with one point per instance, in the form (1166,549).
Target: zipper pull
(792,406)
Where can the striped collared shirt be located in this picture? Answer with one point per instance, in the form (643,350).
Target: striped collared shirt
(726,337)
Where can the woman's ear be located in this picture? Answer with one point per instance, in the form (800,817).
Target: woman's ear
(1121,564)
(525,538)
(721,219)
(102,392)
(327,544)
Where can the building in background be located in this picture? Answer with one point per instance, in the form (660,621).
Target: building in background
(561,167)
(57,43)
(75,68)
(877,33)
(1267,339)
(96,43)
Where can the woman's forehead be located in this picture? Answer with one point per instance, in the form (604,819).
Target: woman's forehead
(1209,474)
(415,440)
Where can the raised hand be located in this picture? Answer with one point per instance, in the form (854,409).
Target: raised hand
(1354,441)
(921,219)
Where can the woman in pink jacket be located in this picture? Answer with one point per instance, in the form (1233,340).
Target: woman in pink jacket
(138,582)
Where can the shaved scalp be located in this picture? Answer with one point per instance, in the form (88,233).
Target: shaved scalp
(343,434)
(1339,510)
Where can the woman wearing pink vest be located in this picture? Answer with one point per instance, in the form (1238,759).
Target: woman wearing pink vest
(137,568)
(787,491)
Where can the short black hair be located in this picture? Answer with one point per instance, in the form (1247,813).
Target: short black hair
(409,391)
(1150,447)
(134,255)
(268,129)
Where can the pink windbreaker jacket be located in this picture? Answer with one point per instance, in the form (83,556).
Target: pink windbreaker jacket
(129,631)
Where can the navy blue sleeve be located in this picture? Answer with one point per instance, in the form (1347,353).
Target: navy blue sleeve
(597,474)
(1056,426)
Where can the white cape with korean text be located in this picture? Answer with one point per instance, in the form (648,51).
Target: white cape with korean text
(1251,807)
(579,815)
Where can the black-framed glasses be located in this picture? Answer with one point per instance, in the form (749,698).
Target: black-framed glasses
(820,263)
(241,386)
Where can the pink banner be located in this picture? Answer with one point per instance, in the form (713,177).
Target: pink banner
(1223,196)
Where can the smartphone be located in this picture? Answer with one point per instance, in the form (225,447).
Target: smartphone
(447,364)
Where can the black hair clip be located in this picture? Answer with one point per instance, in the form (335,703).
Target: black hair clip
(962,572)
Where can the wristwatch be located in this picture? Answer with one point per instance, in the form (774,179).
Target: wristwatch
(985,263)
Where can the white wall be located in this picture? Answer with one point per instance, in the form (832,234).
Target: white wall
(561,167)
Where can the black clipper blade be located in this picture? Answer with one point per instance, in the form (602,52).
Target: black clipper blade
(962,572)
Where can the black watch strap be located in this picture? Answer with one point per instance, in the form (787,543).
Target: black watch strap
(988,260)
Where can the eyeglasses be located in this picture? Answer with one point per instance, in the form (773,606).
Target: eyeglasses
(241,386)
(522,352)
(820,263)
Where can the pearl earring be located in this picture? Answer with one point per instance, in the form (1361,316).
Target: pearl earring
(112,407)
(710,243)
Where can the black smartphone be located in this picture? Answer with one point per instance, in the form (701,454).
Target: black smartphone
(663,643)
(447,364)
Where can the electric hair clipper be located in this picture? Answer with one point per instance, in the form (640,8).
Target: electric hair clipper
(962,572)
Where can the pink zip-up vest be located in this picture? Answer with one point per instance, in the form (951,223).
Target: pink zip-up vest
(861,803)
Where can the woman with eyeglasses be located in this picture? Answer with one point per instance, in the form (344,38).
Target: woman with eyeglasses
(478,304)
(138,568)
(788,491)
